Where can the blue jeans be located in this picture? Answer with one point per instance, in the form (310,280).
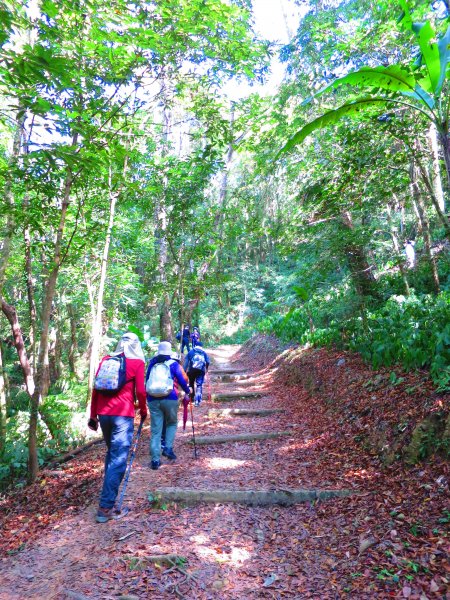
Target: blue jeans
(160,411)
(118,435)
(196,380)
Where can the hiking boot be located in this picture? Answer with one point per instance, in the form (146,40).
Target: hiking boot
(197,403)
(104,515)
(170,454)
(154,465)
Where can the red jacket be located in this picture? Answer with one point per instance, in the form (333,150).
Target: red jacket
(122,403)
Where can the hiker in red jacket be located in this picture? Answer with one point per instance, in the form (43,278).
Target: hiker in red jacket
(114,410)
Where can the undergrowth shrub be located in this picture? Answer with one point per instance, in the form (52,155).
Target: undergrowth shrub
(61,427)
(411,331)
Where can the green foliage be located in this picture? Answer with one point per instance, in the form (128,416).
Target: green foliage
(413,332)
(423,86)
(61,428)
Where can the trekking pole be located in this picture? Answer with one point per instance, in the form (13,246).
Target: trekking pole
(127,475)
(193,431)
(209,386)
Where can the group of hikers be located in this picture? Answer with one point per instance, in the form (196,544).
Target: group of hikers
(120,379)
(186,338)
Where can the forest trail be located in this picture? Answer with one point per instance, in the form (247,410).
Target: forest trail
(226,551)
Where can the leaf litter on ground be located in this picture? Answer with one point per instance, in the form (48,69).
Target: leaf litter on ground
(387,540)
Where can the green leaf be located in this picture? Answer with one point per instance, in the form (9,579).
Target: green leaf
(50,8)
(394,79)
(444,57)
(301,292)
(421,95)
(405,19)
(330,118)
(137,331)
(430,52)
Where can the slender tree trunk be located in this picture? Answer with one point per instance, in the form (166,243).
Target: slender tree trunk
(9,203)
(3,404)
(73,348)
(97,321)
(435,168)
(397,249)
(424,223)
(444,138)
(219,220)
(31,298)
(361,270)
(438,202)
(55,354)
(42,365)
(11,314)
(165,314)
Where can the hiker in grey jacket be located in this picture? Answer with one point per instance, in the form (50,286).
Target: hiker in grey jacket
(164,407)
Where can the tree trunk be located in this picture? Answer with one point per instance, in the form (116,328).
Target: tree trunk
(444,138)
(9,202)
(435,168)
(2,405)
(397,249)
(73,348)
(97,322)
(11,314)
(438,202)
(161,222)
(42,367)
(361,271)
(56,367)
(30,292)
(425,226)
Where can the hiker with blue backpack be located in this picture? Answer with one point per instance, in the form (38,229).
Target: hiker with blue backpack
(196,365)
(163,372)
(119,379)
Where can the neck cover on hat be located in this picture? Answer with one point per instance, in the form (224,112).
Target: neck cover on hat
(130,345)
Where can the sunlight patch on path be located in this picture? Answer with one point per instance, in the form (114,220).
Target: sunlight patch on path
(225,463)
(235,557)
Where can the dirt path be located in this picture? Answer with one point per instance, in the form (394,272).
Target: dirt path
(227,551)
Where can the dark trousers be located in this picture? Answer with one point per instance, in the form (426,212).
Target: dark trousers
(196,380)
(185,344)
(118,435)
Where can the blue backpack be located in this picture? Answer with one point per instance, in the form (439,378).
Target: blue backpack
(198,361)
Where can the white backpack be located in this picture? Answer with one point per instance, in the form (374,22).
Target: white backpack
(160,383)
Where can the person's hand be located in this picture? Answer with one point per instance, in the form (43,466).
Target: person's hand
(93,424)
(143,414)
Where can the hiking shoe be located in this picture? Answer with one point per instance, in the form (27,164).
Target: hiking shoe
(104,515)
(154,465)
(170,454)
